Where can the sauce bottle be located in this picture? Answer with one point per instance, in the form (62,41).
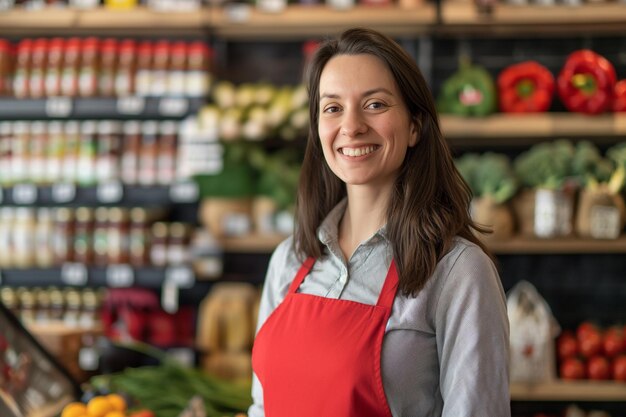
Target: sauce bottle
(71,66)
(126,68)
(21,83)
(89,68)
(54,67)
(38,68)
(108,67)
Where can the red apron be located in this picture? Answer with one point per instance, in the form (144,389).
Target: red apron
(320,357)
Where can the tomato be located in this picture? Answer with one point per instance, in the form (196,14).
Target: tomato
(613,342)
(598,368)
(590,344)
(585,328)
(567,345)
(619,368)
(572,368)
(142,413)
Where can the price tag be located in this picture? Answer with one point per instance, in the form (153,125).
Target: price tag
(173,106)
(63,192)
(58,106)
(24,194)
(120,276)
(184,192)
(180,275)
(110,192)
(88,359)
(604,222)
(1,195)
(169,297)
(1,282)
(131,105)
(74,274)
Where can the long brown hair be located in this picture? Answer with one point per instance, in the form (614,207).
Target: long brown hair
(430,201)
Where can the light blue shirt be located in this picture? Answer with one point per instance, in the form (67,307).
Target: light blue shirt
(445,352)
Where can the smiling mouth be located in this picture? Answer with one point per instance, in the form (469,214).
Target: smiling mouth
(362,151)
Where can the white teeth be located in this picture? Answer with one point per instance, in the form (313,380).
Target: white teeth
(357,151)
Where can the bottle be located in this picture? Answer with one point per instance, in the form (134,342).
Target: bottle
(158,244)
(144,77)
(63,236)
(54,154)
(108,67)
(89,68)
(38,148)
(178,244)
(126,69)
(6,236)
(138,237)
(23,237)
(161,68)
(117,236)
(6,132)
(130,153)
(38,68)
(86,163)
(100,236)
(21,83)
(148,153)
(6,68)
(108,150)
(54,67)
(70,151)
(44,255)
(71,66)
(83,236)
(176,75)
(198,80)
(20,152)
(166,153)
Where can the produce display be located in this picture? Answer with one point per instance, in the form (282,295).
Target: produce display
(552,177)
(470,91)
(575,411)
(587,83)
(166,390)
(590,352)
(525,88)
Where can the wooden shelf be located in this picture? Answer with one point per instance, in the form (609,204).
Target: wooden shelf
(141,18)
(569,391)
(252,243)
(524,129)
(535,20)
(303,21)
(520,245)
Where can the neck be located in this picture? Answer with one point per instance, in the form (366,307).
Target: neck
(365,214)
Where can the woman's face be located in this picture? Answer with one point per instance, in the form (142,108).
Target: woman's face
(364,126)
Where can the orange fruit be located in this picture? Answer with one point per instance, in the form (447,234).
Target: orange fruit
(117,401)
(74,410)
(99,406)
(115,414)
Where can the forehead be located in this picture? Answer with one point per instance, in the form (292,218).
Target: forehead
(355,73)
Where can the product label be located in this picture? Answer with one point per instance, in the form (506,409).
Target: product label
(605,222)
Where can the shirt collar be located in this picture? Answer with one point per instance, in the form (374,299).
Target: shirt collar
(328,231)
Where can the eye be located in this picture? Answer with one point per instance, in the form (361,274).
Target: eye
(376,105)
(331,109)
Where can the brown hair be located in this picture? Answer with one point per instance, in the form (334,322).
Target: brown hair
(430,201)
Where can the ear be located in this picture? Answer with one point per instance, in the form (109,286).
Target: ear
(415,129)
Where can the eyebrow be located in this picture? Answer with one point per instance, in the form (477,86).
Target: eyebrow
(365,94)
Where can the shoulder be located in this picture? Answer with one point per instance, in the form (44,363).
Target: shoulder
(283,264)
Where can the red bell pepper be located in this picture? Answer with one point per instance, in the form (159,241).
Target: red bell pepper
(619,96)
(585,83)
(525,87)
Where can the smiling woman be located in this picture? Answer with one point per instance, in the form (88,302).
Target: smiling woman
(383,303)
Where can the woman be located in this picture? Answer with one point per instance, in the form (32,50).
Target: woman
(383,303)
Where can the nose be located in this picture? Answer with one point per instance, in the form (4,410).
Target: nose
(353,123)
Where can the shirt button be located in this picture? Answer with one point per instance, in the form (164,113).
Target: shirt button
(343,278)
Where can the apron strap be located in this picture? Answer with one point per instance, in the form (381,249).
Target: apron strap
(388,293)
(303,272)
